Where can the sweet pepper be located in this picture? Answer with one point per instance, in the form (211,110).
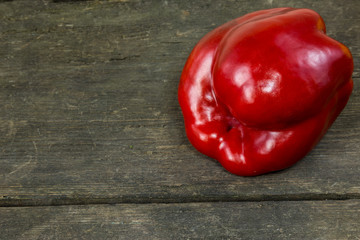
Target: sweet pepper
(259,92)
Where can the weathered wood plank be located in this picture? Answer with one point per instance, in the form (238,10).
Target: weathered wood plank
(330,220)
(89,110)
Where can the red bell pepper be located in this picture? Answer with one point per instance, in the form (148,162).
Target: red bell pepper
(259,92)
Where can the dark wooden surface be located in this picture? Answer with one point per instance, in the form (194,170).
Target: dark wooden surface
(89,117)
(247,220)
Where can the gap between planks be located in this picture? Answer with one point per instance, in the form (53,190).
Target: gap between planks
(13,202)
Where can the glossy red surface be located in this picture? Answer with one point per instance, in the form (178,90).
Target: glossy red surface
(259,92)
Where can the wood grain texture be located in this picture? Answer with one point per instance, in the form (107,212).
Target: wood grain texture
(89,110)
(323,220)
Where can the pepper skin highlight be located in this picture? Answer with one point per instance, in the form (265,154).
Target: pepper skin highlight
(259,92)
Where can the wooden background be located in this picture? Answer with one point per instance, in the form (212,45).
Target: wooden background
(92,139)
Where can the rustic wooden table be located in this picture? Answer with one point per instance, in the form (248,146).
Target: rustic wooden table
(92,138)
